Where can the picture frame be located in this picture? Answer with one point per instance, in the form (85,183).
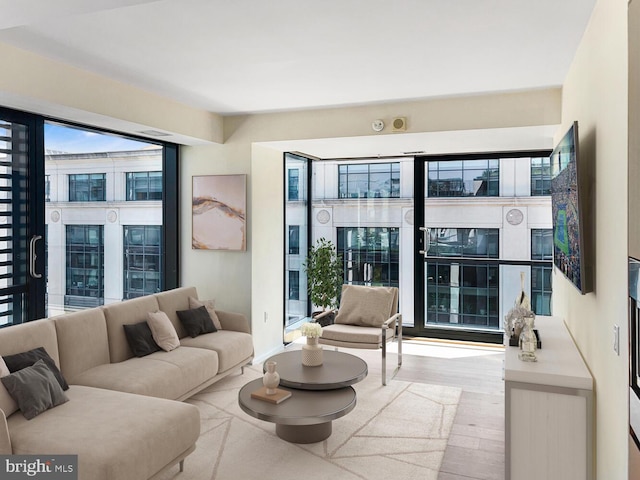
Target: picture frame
(218,207)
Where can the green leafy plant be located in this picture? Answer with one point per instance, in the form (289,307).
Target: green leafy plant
(324,274)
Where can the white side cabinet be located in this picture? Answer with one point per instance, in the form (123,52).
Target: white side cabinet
(548,409)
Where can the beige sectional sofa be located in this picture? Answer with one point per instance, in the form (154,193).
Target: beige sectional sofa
(122,418)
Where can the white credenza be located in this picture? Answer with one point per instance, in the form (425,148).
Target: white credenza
(548,409)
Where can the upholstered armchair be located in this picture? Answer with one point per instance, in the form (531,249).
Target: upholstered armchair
(367,318)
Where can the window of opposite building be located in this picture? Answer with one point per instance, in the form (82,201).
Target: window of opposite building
(87,187)
(85,265)
(541,176)
(293,183)
(463,242)
(541,285)
(464,178)
(294,239)
(369,180)
(463,293)
(47,188)
(142,260)
(144,186)
(294,285)
(371,255)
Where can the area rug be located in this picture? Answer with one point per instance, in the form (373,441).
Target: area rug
(400,430)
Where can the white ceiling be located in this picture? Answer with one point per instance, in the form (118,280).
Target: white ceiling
(249,56)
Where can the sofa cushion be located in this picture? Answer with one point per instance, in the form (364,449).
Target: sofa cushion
(82,340)
(162,374)
(233,348)
(196,321)
(30,335)
(21,360)
(121,313)
(163,331)
(35,389)
(114,434)
(140,339)
(211,308)
(173,300)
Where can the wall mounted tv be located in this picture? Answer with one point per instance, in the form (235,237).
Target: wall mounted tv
(567,211)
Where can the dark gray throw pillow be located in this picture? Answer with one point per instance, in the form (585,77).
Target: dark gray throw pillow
(26,359)
(35,389)
(140,339)
(196,321)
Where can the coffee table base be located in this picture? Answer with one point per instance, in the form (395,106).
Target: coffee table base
(304,433)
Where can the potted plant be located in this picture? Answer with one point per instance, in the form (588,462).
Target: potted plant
(324,276)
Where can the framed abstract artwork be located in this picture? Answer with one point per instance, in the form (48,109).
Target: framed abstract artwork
(219,205)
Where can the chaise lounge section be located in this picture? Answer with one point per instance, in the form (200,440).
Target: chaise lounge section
(121,418)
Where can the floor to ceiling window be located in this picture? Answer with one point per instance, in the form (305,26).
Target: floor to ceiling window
(454,233)
(111,186)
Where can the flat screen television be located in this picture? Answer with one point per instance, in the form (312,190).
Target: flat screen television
(567,211)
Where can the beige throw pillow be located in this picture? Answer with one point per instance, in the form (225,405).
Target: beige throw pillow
(210,306)
(163,331)
(365,306)
(7,404)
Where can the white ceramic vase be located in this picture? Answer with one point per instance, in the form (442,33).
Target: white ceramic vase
(271,378)
(312,353)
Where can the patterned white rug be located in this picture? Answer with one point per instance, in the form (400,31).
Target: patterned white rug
(400,430)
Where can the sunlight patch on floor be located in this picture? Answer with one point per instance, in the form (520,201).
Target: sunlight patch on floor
(436,349)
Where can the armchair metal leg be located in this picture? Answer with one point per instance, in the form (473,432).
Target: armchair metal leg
(181,466)
(384,351)
(384,359)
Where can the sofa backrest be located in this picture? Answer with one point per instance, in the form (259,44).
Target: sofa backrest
(123,313)
(30,335)
(82,341)
(174,300)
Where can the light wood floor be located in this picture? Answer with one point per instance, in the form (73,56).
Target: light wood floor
(476,445)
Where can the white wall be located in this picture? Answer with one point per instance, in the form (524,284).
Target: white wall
(595,94)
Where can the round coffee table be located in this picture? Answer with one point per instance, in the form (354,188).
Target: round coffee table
(338,370)
(305,417)
(319,395)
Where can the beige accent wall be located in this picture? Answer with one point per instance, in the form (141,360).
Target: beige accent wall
(595,94)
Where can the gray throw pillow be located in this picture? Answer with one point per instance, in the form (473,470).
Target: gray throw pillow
(196,321)
(22,360)
(140,339)
(35,389)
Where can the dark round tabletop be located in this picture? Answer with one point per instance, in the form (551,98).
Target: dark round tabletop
(338,370)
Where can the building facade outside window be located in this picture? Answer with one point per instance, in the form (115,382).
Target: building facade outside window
(85,265)
(541,286)
(144,186)
(541,176)
(131,230)
(370,255)
(464,178)
(47,188)
(142,260)
(369,180)
(85,187)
